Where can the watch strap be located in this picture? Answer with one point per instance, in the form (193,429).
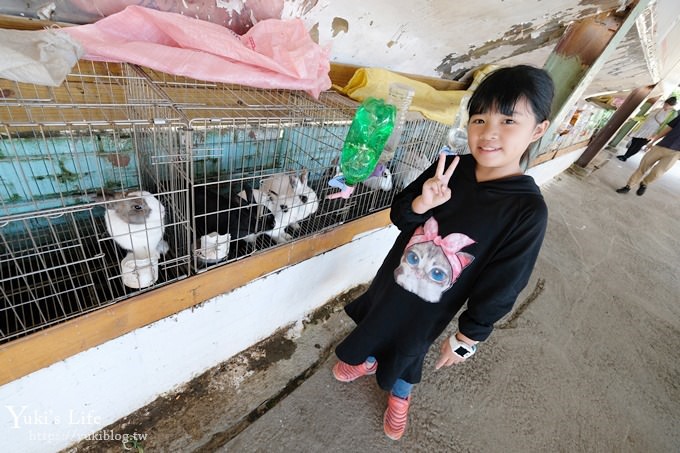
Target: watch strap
(460,348)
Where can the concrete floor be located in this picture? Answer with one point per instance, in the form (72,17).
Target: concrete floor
(589,360)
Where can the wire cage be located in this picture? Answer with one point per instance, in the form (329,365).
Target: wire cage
(64,152)
(247,143)
(241,138)
(124,179)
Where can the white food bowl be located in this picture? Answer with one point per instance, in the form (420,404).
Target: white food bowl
(139,273)
(213,248)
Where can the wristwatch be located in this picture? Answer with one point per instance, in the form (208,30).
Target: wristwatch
(463,350)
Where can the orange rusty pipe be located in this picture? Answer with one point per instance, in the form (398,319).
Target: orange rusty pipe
(587,38)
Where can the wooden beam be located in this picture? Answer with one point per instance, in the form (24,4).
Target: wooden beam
(44,348)
(630,105)
(555,154)
(631,122)
(27,23)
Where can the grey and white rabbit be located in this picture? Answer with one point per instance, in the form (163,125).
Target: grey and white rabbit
(383,181)
(136,221)
(289,198)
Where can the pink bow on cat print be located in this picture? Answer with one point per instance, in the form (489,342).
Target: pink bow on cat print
(450,245)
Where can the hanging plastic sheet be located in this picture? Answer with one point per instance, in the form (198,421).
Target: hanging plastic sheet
(41,57)
(274,53)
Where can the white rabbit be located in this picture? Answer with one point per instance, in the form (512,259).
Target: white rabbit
(409,167)
(136,223)
(289,198)
(380,182)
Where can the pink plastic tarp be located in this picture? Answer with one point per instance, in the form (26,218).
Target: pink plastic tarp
(274,53)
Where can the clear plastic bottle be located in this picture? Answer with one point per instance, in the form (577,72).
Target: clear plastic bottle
(457,139)
(372,125)
(400,95)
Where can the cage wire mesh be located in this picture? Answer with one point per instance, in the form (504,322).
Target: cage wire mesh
(64,152)
(277,149)
(243,139)
(236,170)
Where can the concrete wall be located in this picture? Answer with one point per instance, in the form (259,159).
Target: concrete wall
(56,406)
(545,172)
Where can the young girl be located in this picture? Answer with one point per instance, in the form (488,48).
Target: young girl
(471,229)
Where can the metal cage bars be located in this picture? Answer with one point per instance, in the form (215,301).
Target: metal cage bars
(119,127)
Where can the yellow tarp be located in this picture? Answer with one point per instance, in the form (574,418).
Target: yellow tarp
(433,104)
(436,105)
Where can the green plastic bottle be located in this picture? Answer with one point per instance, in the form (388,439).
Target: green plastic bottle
(372,126)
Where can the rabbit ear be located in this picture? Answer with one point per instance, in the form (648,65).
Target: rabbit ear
(303,177)
(294,181)
(249,193)
(102,195)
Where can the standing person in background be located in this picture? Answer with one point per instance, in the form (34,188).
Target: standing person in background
(471,229)
(655,122)
(657,160)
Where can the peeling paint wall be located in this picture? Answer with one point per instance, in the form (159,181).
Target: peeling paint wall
(437,38)
(668,32)
(428,37)
(442,38)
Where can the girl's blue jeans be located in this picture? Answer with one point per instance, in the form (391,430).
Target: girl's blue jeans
(401,388)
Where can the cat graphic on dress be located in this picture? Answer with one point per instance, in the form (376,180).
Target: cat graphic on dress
(431,264)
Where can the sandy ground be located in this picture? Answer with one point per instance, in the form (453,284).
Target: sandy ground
(589,360)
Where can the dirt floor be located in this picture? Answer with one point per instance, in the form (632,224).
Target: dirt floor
(589,360)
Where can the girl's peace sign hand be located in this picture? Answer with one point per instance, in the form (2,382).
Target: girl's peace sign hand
(436,189)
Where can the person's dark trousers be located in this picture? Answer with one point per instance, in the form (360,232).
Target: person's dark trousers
(636,144)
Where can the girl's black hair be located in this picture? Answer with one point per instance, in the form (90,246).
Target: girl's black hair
(501,90)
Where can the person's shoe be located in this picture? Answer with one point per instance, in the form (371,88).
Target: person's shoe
(621,158)
(345,372)
(642,189)
(396,416)
(624,189)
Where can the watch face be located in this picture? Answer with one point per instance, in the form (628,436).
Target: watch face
(461,351)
